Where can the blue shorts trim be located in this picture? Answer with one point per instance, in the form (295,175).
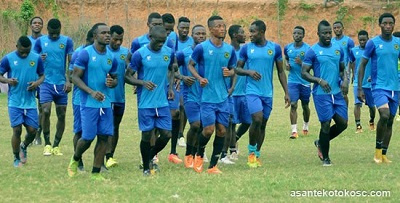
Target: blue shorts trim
(77,118)
(192,110)
(327,105)
(241,111)
(174,103)
(50,93)
(151,118)
(382,97)
(118,108)
(28,117)
(298,91)
(256,104)
(212,113)
(369,100)
(96,121)
(356,100)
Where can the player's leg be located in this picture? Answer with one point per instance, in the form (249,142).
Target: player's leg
(241,115)
(38,139)
(173,155)
(118,113)
(255,106)
(229,136)
(15,144)
(369,100)
(145,149)
(357,111)
(46,108)
(31,123)
(393,104)
(60,127)
(305,100)
(77,130)
(382,102)
(294,94)
(267,108)
(193,115)
(183,120)
(324,142)
(164,125)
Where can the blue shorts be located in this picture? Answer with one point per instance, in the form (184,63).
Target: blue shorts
(369,100)
(298,91)
(96,121)
(241,111)
(118,108)
(356,100)
(212,113)
(231,105)
(174,103)
(154,118)
(382,97)
(38,92)
(28,117)
(327,105)
(49,93)
(256,104)
(192,110)
(77,118)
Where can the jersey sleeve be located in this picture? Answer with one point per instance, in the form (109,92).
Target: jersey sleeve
(70,46)
(82,60)
(232,60)
(369,49)
(243,53)
(180,57)
(278,53)
(37,47)
(309,58)
(341,55)
(73,59)
(4,65)
(171,61)
(285,49)
(136,61)
(350,45)
(351,56)
(170,44)
(40,68)
(114,66)
(135,45)
(197,54)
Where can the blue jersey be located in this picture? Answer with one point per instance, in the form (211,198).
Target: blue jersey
(355,57)
(181,45)
(240,86)
(76,95)
(346,43)
(152,66)
(191,93)
(96,66)
(143,40)
(291,53)
(210,60)
(173,38)
(118,93)
(25,70)
(57,51)
(261,59)
(384,56)
(33,42)
(325,63)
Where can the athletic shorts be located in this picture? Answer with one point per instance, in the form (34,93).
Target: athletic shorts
(77,118)
(150,118)
(231,105)
(212,113)
(327,105)
(382,97)
(256,104)
(174,103)
(369,100)
(192,110)
(298,91)
(28,117)
(50,93)
(96,121)
(118,108)
(241,110)
(356,100)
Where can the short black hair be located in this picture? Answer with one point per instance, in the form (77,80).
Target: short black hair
(183,19)
(386,15)
(24,41)
(168,18)
(211,20)
(54,24)
(338,22)
(260,25)
(196,26)
(117,29)
(95,26)
(300,28)
(362,32)
(153,15)
(89,35)
(30,23)
(396,34)
(233,29)
(158,30)
(323,23)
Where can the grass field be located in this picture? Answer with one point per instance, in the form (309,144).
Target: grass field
(288,165)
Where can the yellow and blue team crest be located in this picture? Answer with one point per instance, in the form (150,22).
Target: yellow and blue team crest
(62,46)
(227,55)
(32,63)
(344,43)
(337,52)
(396,46)
(109,62)
(302,53)
(166,58)
(122,56)
(270,52)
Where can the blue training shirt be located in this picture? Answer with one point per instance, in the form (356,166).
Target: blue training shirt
(325,63)
(25,70)
(291,53)
(181,45)
(118,93)
(152,66)
(96,66)
(33,42)
(55,63)
(143,40)
(346,43)
(210,60)
(76,95)
(240,86)
(261,59)
(355,57)
(192,93)
(384,56)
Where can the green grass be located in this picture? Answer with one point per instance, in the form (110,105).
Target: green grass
(287,165)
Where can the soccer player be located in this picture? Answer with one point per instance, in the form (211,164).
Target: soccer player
(397,34)
(36,24)
(118,93)
(25,73)
(169,24)
(95,72)
(260,56)
(355,57)
(327,61)
(191,95)
(346,43)
(212,57)
(297,86)
(384,53)
(56,51)
(153,63)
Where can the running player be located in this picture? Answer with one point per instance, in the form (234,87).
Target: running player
(25,73)
(327,61)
